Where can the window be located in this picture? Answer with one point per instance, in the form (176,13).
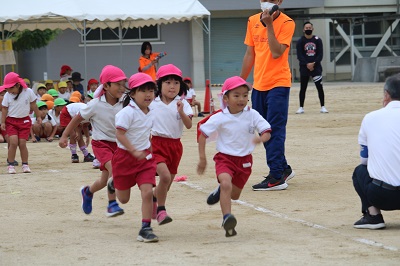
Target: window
(147,33)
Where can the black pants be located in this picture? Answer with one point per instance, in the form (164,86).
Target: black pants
(373,195)
(303,88)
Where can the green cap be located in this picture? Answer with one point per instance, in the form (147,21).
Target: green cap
(59,102)
(53,92)
(40,104)
(91,95)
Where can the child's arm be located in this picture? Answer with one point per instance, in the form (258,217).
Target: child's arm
(201,166)
(35,109)
(71,126)
(121,137)
(187,121)
(33,135)
(263,138)
(4,113)
(85,128)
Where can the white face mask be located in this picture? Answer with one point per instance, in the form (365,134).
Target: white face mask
(266,5)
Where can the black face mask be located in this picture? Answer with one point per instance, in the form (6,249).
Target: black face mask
(308,32)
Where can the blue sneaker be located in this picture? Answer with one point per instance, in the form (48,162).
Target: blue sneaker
(114,210)
(213,198)
(86,200)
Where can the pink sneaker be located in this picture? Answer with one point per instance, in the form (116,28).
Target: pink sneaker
(154,214)
(25,168)
(11,169)
(163,218)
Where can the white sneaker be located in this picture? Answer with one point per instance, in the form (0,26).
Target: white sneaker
(11,169)
(25,168)
(300,110)
(323,110)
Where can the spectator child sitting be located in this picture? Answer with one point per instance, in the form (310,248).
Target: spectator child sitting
(49,84)
(55,113)
(47,128)
(53,93)
(191,97)
(62,90)
(39,89)
(92,85)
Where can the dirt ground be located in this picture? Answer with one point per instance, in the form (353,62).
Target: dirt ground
(41,221)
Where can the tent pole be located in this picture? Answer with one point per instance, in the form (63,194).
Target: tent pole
(3,44)
(120,41)
(84,51)
(209,48)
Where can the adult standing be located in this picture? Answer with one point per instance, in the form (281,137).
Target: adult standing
(377,178)
(149,60)
(309,53)
(268,39)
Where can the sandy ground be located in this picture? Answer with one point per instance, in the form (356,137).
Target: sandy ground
(41,221)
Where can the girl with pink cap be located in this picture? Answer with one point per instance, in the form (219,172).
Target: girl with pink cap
(133,162)
(101,113)
(234,127)
(172,112)
(15,120)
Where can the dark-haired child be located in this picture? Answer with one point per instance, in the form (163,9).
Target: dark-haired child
(16,106)
(172,112)
(47,129)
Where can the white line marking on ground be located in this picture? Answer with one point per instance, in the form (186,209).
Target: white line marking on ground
(309,224)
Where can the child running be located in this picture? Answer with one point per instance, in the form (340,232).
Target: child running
(234,129)
(15,120)
(101,113)
(171,113)
(133,162)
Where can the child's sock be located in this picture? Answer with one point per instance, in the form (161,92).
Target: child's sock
(72,148)
(87,192)
(146,223)
(226,215)
(111,201)
(160,208)
(24,163)
(84,150)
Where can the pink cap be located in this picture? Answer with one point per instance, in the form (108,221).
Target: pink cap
(234,82)
(139,79)
(11,79)
(169,69)
(111,73)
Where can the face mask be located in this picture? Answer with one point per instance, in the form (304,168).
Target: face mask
(266,5)
(308,32)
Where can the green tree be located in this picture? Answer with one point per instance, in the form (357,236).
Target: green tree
(30,40)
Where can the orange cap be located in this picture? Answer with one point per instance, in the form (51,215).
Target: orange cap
(50,105)
(47,97)
(74,99)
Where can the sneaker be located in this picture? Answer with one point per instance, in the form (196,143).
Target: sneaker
(163,218)
(89,158)
(323,110)
(96,164)
(154,214)
(300,110)
(15,163)
(25,168)
(11,169)
(75,158)
(110,186)
(113,210)
(86,200)
(200,115)
(288,174)
(146,235)
(213,198)
(229,224)
(370,222)
(270,183)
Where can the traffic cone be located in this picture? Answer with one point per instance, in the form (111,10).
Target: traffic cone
(207,98)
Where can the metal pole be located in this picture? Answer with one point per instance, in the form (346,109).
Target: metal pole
(120,41)
(209,48)
(84,49)
(3,45)
(352,48)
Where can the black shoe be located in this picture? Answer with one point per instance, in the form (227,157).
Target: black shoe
(370,222)
(110,186)
(146,235)
(200,115)
(229,225)
(288,173)
(75,158)
(15,163)
(270,183)
(89,158)
(214,196)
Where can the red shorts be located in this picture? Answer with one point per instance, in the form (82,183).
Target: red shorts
(104,151)
(189,101)
(65,117)
(128,171)
(19,126)
(168,151)
(239,168)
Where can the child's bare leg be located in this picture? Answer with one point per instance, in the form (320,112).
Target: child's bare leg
(37,129)
(12,147)
(146,191)
(123,195)
(47,129)
(102,181)
(225,181)
(23,150)
(163,185)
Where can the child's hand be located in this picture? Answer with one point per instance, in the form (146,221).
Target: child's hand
(3,126)
(49,139)
(201,166)
(39,120)
(180,104)
(63,142)
(139,154)
(257,139)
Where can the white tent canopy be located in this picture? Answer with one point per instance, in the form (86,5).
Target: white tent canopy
(64,14)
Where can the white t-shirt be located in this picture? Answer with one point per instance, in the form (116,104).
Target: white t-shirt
(136,124)
(190,93)
(235,132)
(64,96)
(74,108)
(101,115)
(380,132)
(21,107)
(46,119)
(167,121)
(52,113)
